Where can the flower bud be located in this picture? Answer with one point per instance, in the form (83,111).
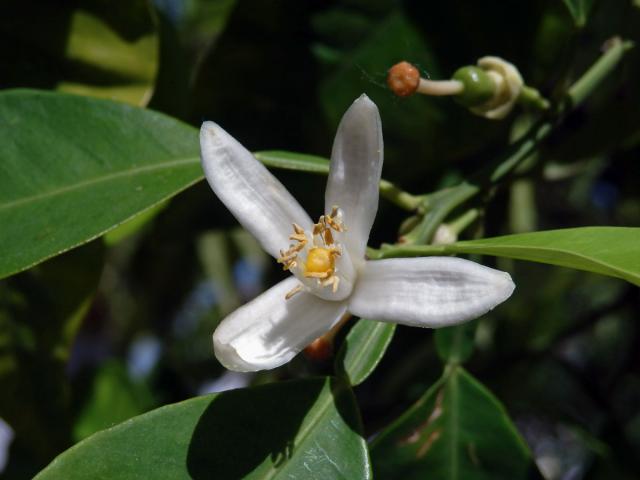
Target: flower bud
(444,235)
(508,86)
(403,79)
(478,86)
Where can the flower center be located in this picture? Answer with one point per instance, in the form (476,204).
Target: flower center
(320,260)
(320,249)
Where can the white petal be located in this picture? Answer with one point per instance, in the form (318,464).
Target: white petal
(429,291)
(356,165)
(255,197)
(269,331)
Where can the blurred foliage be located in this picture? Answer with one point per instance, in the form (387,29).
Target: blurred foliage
(100,334)
(102,48)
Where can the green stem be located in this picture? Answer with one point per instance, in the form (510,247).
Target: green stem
(615,48)
(530,96)
(439,205)
(401,198)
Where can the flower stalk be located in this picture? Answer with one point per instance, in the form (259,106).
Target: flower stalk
(491,89)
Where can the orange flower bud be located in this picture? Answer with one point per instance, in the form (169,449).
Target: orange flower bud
(403,79)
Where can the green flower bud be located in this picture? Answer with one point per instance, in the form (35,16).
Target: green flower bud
(479,87)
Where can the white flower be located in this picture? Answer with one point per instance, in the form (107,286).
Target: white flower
(327,259)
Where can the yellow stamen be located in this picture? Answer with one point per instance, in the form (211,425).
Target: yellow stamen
(293,291)
(318,275)
(328,237)
(321,260)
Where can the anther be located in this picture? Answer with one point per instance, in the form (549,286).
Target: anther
(328,237)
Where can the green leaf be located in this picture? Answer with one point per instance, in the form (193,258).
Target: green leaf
(579,10)
(363,349)
(112,398)
(299,429)
(94,48)
(73,168)
(613,251)
(457,431)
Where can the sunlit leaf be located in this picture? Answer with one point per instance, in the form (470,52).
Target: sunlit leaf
(457,431)
(611,251)
(75,167)
(300,429)
(363,349)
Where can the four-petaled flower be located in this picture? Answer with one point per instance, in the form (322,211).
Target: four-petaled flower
(327,259)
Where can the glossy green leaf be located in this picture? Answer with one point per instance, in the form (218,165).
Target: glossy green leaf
(93,48)
(363,349)
(457,431)
(579,10)
(613,251)
(300,429)
(73,168)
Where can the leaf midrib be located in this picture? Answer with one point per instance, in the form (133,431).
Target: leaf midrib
(454,424)
(98,180)
(303,434)
(330,397)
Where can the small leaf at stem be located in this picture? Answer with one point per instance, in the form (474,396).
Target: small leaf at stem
(363,349)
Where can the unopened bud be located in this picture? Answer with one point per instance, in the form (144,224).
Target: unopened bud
(444,235)
(479,87)
(508,86)
(403,79)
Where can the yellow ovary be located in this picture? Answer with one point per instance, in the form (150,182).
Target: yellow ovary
(320,260)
